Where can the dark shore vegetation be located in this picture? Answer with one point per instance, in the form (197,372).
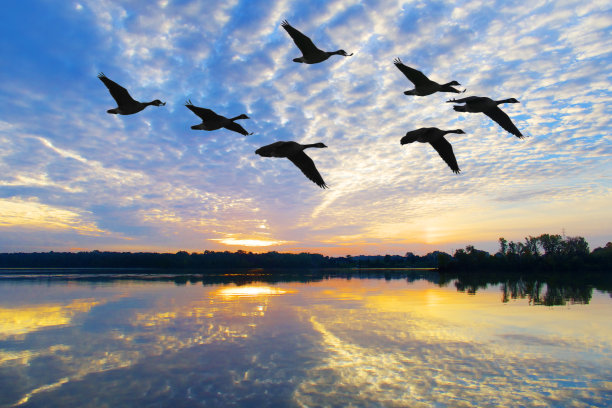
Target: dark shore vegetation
(545,253)
(547,270)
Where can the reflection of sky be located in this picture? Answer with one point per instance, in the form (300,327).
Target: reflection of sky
(335,342)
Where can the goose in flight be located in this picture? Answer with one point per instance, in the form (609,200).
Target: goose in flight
(435,137)
(489,107)
(212,121)
(422,85)
(295,152)
(126,105)
(310,53)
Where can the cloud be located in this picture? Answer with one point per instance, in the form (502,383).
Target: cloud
(151,172)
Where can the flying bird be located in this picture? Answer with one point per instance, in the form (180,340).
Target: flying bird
(422,85)
(295,152)
(435,137)
(310,53)
(212,121)
(126,105)
(489,107)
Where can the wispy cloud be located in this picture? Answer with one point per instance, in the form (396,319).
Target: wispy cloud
(150,175)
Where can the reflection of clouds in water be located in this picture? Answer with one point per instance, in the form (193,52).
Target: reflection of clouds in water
(172,325)
(21,320)
(386,359)
(333,343)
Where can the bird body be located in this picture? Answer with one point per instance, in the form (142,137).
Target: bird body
(213,121)
(435,137)
(488,106)
(423,86)
(126,104)
(311,54)
(295,152)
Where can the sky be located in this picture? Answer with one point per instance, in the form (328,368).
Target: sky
(73,177)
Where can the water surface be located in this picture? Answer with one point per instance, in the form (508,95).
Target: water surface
(184,342)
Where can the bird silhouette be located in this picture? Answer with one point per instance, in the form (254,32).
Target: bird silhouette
(489,107)
(422,85)
(310,53)
(126,105)
(435,137)
(295,152)
(213,121)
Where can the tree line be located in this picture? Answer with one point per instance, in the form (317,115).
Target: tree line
(543,253)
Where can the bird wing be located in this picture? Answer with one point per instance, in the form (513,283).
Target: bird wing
(203,113)
(119,93)
(503,120)
(415,76)
(414,135)
(305,163)
(304,43)
(236,128)
(445,150)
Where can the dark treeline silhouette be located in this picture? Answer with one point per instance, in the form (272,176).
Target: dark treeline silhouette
(208,260)
(549,253)
(546,253)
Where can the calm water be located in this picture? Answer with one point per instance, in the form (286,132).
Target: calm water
(335,342)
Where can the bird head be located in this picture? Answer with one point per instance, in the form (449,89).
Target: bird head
(157,102)
(460,131)
(342,52)
(512,100)
(300,60)
(454,83)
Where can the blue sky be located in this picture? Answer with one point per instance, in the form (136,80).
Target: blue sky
(73,177)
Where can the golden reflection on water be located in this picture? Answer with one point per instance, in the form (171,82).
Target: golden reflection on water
(21,320)
(250,291)
(361,342)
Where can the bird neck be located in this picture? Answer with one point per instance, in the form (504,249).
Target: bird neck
(453,131)
(320,145)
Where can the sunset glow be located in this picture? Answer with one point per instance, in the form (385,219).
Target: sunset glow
(74,176)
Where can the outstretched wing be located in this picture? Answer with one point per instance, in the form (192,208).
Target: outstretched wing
(445,150)
(119,93)
(415,76)
(504,121)
(304,43)
(305,163)
(237,128)
(203,113)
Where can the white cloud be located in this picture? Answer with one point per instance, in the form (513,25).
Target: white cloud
(153,171)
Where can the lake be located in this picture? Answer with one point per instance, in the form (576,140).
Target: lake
(392,340)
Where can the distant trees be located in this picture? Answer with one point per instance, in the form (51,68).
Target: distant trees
(545,252)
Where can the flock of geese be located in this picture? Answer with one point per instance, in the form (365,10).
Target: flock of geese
(423,86)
